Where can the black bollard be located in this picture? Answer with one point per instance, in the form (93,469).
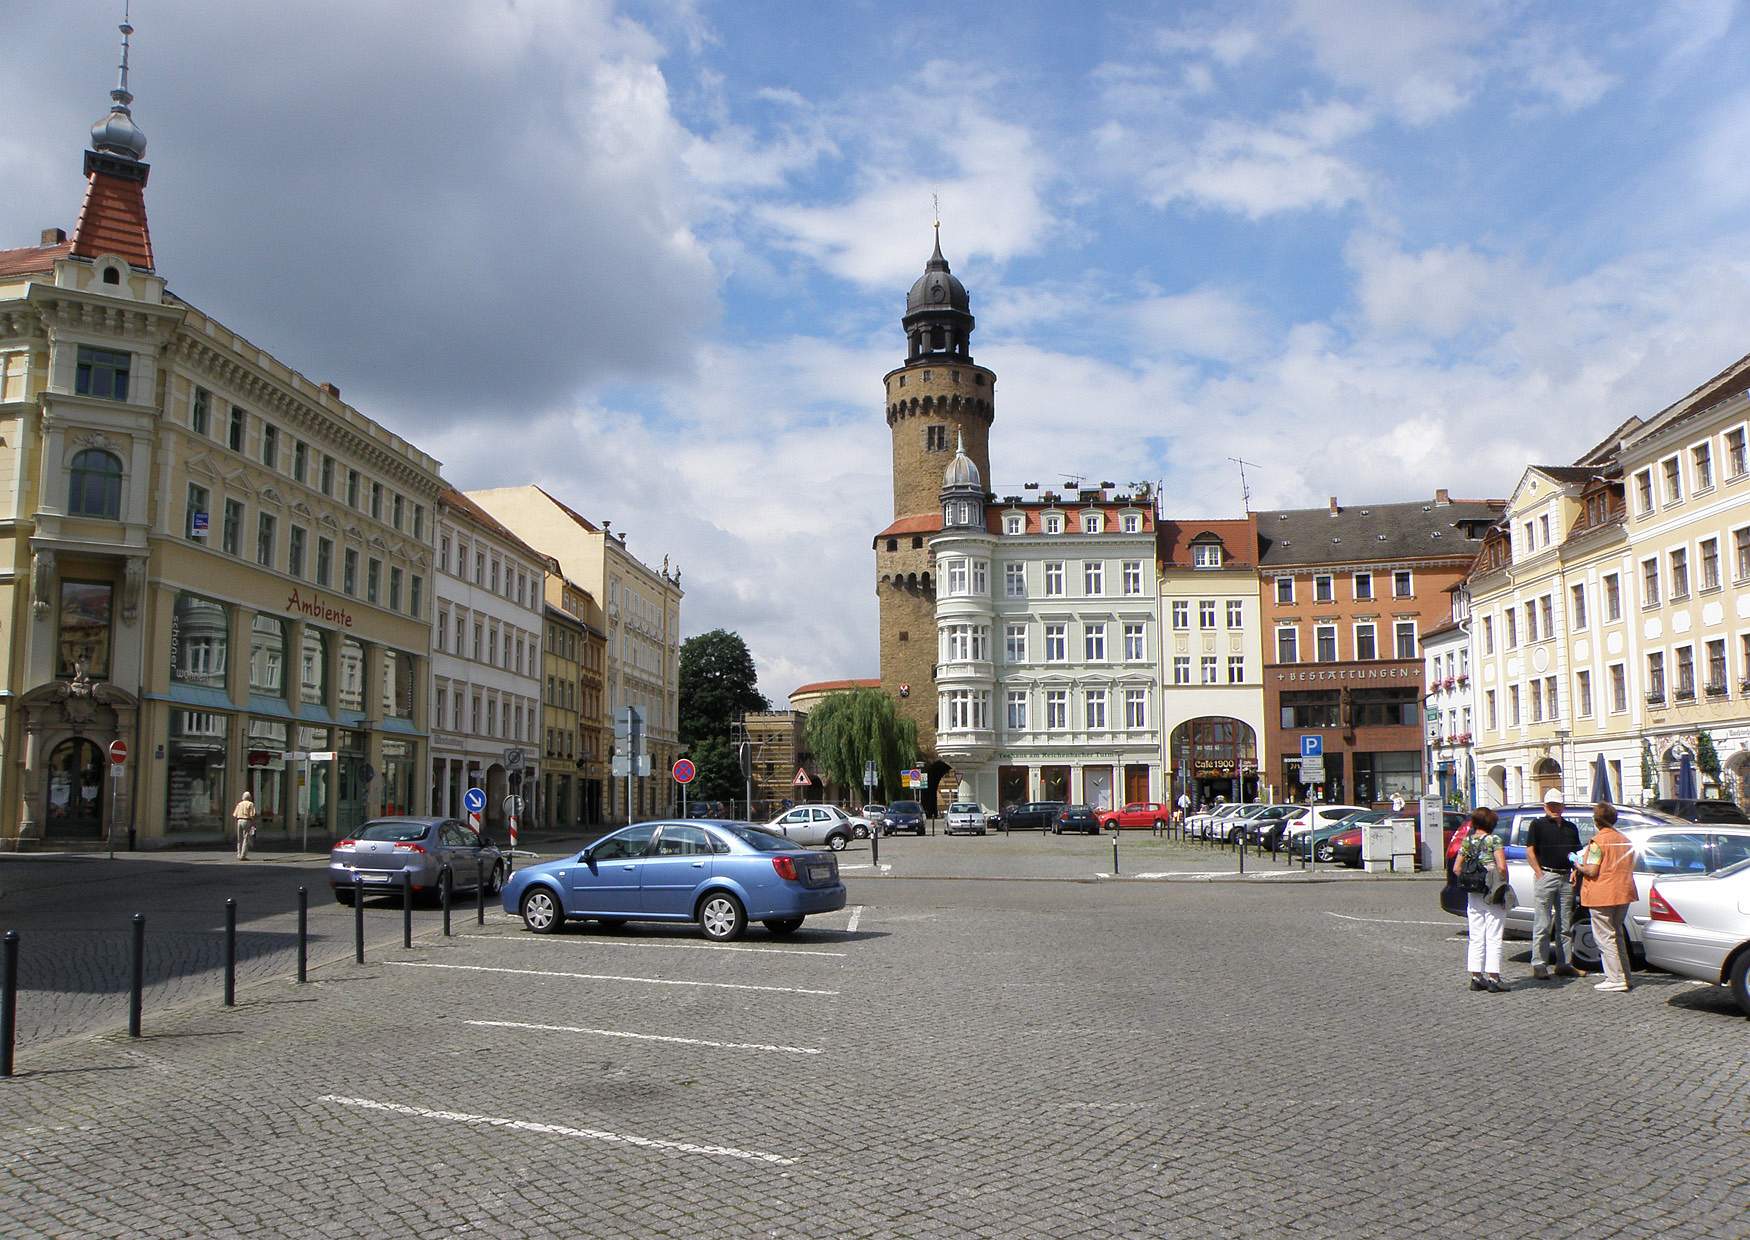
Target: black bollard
(407,908)
(8,999)
(303,934)
(875,847)
(137,984)
(358,918)
(1242,851)
(230,953)
(1114,854)
(480,893)
(445,879)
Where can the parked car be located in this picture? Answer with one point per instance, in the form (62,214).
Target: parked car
(1198,825)
(1664,846)
(1078,818)
(1150,814)
(876,815)
(1345,845)
(381,850)
(1699,926)
(1323,840)
(903,816)
(818,824)
(1265,826)
(966,816)
(1702,810)
(1031,815)
(1306,817)
(719,874)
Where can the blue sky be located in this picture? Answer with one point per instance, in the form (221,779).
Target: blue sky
(653,256)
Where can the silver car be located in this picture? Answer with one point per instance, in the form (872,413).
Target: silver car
(818,824)
(967,816)
(1698,926)
(379,852)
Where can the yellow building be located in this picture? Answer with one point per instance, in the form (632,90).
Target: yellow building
(203,555)
(561,703)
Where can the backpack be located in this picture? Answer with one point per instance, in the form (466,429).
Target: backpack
(1473,874)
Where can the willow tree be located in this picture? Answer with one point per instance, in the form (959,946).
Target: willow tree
(860,725)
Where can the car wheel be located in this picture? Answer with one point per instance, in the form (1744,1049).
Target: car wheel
(495,880)
(721,917)
(1324,852)
(1738,982)
(861,833)
(1160,825)
(342,896)
(784,925)
(1586,953)
(541,911)
(837,841)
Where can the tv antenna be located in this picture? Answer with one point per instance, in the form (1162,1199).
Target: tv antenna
(1245,490)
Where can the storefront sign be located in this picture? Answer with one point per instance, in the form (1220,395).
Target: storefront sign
(313,606)
(1350,674)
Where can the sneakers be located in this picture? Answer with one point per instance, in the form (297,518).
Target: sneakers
(1618,987)
(1494,983)
(1477,983)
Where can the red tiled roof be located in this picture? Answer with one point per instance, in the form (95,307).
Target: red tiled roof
(32,259)
(454,499)
(928,523)
(835,686)
(1034,511)
(113,221)
(1238,538)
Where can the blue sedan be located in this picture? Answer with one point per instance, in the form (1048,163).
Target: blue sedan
(716,873)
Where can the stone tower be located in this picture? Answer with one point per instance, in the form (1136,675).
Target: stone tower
(937,401)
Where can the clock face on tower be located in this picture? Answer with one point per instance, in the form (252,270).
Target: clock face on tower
(937,292)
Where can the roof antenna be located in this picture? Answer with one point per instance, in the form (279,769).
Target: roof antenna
(1245,490)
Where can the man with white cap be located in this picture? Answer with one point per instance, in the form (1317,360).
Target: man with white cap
(1550,846)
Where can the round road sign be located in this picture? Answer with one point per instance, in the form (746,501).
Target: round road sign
(474,800)
(118,752)
(684,771)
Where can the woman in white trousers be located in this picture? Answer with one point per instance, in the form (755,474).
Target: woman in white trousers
(1486,920)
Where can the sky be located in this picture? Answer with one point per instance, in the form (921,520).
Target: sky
(652,256)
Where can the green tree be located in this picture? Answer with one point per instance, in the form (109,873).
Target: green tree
(719,777)
(718,682)
(851,728)
(1706,756)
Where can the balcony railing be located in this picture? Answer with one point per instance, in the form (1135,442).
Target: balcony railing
(1656,697)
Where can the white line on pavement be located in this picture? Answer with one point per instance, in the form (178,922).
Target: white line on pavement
(559,1130)
(864,865)
(605,977)
(1387,921)
(856,916)
(649,1037)
(568,940)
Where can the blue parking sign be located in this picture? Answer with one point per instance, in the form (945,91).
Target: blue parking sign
(1312,746)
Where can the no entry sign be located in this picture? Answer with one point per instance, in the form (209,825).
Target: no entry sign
(118,752)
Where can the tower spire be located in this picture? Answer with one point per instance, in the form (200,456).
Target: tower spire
(113,217)
(116,133)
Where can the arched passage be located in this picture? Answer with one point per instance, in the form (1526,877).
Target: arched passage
(1214,756)
(75,804)
(1494,788)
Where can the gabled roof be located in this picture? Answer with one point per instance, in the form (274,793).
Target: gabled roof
(1568,473)
(1238,539)
(927,523)
(32,260)
(454,500)
(1431,530)
(569,511)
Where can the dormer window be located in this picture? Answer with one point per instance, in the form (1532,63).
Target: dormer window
(1092,523)
(1206,555)
(1133,523)
(1053,523)
(1014,523)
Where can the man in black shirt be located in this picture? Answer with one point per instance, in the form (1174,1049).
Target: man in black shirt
(1548,846)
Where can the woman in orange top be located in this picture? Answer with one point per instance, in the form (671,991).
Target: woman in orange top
(1608,866)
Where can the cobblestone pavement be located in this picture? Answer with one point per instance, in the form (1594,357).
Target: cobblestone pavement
(972,1059)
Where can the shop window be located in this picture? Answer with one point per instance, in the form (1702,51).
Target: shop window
(1310,709)
(313,668)
(265,772)
(352,674)
(1374,708)
(200,632)
(84,623)
(397,686)
(94,487)
(1381,776)
(194,799)
(102,373)
(267,656)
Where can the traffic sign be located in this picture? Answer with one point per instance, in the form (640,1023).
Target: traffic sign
(513,758)
(1312,746)
(1312,770)
(323,755)
(869,778)
(684,770)
(474,800)
(118,751)
(801,780)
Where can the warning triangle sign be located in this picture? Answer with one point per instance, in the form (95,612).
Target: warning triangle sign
(801,780)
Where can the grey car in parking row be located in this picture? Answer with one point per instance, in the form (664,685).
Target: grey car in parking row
(378,853)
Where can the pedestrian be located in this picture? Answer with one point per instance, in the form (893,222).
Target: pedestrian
(1184,804)
(1481,865)
(1607,869)
(1397,802)
(1550,846)
(244,816)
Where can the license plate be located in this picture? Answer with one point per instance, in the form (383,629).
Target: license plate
(819,873)
(375,878)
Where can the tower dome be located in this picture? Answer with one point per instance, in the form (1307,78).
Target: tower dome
(961,473)
(938,314)
(938,288)
(116,133)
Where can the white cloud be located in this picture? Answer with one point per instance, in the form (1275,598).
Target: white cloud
(1207,322)
(1289,163)
(1418,59)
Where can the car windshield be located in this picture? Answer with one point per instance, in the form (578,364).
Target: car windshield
(963,807)
(765,841)
(906,807)
(400,832)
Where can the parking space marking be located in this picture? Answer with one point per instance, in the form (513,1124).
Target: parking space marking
(560,1130)
(1386,921)
(864,865)
(649,1037)
(606,977)
(685,947)
(856,916)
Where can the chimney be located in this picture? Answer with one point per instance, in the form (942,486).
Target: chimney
(54,236)
(1442,496)
(331,390)
(1334,509)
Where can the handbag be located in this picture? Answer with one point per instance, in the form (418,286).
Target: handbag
(1453,898)
(1498,885)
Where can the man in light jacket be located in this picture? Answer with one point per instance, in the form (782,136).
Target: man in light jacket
(244,816)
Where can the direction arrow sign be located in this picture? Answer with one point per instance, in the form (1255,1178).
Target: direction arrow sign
(474,800)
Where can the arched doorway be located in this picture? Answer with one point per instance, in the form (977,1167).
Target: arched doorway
(75,805)
(1546,774)
(932,781)
(1214,756)
(1495,787)
(1737,772)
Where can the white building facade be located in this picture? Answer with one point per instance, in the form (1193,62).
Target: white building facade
(1450,707)
(1048,645)
(486,661)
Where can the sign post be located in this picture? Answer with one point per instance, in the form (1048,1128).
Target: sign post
(683,772)
(118,765)
(744,755)
(630,758)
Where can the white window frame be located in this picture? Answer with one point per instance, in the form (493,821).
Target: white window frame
(1054,579)
(1015,580)
(1355,587)
(1289,581)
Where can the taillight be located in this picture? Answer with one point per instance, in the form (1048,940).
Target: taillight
(405,847)
(786,867)
(347,844)
(1661,908)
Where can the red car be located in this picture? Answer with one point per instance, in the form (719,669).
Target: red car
(1136,814)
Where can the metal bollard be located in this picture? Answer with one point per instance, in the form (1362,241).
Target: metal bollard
(230,953)
(137,984)
(479,893)
(303,934)
(875,846)
(1242,854)
(8,999)
(1114,854)
(407,908)
(445,879)
(358,919)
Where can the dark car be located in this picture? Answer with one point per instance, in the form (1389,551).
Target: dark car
(903,816)
(1702,810)
(1076,818)
(1032,815)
